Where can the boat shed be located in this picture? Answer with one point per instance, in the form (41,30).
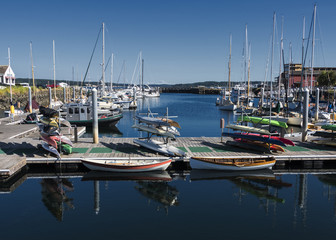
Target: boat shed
(7,76)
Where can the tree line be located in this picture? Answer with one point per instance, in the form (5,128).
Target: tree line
(327,79)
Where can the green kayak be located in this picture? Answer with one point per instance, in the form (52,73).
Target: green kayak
(329,127)
(266,121)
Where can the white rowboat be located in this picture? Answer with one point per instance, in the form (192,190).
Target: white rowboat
(127,165)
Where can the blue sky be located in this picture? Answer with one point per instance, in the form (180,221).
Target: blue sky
(182,41)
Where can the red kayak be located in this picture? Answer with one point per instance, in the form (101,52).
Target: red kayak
(284,140)
(272,147)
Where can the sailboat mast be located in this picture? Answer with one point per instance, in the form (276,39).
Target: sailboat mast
(246,55)
(313,47)
(230,66)
(248,75)
(112,63)
(289,67)
(124,74)
(103,64)
(54,60)
(302,61)
(140,70)
(31,57)
(142,73)
(10,78)
(271,71)
(281,47)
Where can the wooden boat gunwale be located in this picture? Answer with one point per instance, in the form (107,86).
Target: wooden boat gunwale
(257,162)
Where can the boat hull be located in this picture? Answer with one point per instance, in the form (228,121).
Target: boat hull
(111,121)
(254,138)
(153,130)
(229,107)
(248,129)
(229,164)
(127,165)
(160,147)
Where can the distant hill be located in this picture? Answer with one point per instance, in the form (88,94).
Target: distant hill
(208,84)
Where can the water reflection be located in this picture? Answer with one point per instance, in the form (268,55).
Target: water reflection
(290,200)
(145,103)
(54,196)
(263,183)
(117,176)
(104,131)
(329,181)
(161,192)
(153,185)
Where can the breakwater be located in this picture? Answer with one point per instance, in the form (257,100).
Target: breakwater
(194,90)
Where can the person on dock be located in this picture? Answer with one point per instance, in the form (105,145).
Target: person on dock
(35,105)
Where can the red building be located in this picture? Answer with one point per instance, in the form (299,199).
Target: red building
(293,73)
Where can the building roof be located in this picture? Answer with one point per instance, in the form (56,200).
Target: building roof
(3,68)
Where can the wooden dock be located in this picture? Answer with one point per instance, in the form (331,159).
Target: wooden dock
(16,153)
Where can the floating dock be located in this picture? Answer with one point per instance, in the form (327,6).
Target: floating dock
(17,153)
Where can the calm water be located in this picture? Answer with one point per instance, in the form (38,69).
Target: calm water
(192,205)
(200,206)
(196,114)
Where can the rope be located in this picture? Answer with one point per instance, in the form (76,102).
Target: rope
(94,48)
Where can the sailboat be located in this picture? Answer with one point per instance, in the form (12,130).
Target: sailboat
(12,111)
(245,103)
(227,104)
(55,103)
(80,113)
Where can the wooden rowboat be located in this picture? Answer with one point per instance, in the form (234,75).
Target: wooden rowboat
(232,164)
(127,164)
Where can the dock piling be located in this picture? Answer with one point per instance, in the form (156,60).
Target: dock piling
(94,116)
(305,115)
(317,106)
(50,97)
(75,133)
(30,100)
(64,95)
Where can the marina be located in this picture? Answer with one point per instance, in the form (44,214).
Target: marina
(193,120)
(21,145)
